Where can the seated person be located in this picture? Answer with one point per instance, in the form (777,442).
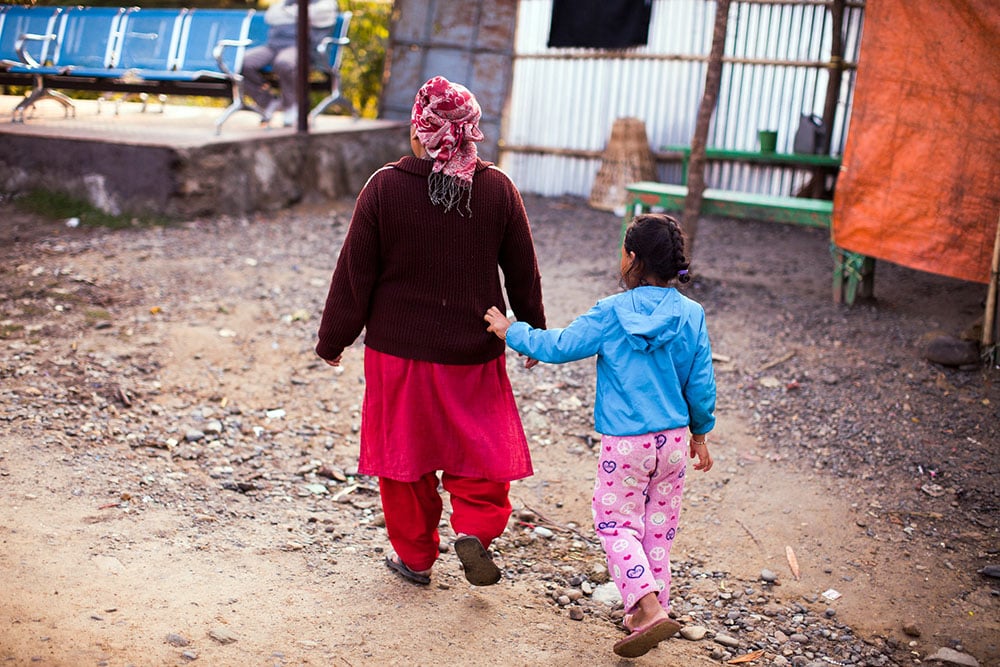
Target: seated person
(280,53)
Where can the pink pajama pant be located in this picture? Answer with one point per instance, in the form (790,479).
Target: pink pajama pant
(637,504)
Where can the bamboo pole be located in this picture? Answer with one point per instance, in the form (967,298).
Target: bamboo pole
(696,167)
(990,319)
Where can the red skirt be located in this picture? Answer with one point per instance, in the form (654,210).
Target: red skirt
(420,417)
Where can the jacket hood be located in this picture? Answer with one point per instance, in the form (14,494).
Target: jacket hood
(651,316)
(420,167)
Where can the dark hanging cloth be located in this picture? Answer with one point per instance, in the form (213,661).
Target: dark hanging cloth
(600,24)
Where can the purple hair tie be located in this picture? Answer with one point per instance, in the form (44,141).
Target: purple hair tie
(682,272)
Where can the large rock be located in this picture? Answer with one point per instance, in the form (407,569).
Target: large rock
(950,656)
(951,351)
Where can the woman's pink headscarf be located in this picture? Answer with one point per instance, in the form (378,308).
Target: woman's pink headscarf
(445,117)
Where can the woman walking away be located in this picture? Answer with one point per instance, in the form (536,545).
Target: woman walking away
(419,266)
(655,381)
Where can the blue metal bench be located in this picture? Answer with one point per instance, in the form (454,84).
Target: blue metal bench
(161,51)
(327,59)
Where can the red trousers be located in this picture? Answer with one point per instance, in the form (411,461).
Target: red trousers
(412,511)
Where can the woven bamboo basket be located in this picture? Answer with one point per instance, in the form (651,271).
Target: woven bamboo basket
(626,159)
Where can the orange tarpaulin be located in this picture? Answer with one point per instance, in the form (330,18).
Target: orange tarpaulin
(920,183)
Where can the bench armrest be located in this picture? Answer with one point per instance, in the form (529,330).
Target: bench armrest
(20,45)
(220,49)
(326,49)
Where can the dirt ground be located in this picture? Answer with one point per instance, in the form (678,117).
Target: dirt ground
(178,470)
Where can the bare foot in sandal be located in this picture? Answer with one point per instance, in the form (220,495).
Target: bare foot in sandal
(421,577)
(648,625)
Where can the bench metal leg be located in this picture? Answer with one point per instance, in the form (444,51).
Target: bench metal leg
(335,97)
(238,103)
(853,276)
(328,102)
(38,93)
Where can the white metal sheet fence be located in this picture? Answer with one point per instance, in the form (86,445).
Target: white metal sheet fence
(564,101)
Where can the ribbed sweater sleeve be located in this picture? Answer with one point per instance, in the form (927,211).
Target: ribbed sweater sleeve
(418,280)
(354,278)
(519,264)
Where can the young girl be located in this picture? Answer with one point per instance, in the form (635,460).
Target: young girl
(654,382)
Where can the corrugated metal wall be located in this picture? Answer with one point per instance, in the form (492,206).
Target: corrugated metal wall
(466,41)
(563,102)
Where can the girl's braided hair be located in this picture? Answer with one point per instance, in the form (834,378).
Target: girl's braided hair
(658,244)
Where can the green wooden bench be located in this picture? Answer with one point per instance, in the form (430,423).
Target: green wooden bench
(823,163)
(853,274)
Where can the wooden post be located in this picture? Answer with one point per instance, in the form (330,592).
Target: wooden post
(836,76)
(990,319)
(836,68)
(696,168)
(303,57)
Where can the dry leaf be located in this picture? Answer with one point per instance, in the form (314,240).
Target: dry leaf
(747,657)
(793,562)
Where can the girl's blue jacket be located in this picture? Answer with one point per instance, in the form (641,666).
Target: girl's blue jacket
(654,361)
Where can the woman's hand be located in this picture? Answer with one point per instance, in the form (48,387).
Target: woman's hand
(334,362)
(498,322)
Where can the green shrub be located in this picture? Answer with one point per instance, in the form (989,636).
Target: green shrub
(61,206)
(364,62)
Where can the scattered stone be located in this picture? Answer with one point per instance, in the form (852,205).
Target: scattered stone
(222,635)
(726,640)
(768,576)
(991,571)
(576,613)
(952,657)
(543,532)
(177,640)
(194,435)
(693,633)
(189,655)
(608,594)
(332,473)
(911,630)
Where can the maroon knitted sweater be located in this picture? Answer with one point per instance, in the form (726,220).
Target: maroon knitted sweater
(419,280)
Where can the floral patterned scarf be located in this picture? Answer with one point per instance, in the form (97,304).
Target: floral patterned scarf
(445,118)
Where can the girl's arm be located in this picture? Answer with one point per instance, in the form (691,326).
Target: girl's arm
(498,325)
(581,339)
(699,388)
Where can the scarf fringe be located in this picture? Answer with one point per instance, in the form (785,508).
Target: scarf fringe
(449,192)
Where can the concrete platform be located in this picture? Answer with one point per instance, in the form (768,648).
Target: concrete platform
(169,160)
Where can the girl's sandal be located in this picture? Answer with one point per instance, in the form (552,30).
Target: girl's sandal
(642,640)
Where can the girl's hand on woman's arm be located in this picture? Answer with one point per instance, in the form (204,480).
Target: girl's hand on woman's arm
(498,322)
